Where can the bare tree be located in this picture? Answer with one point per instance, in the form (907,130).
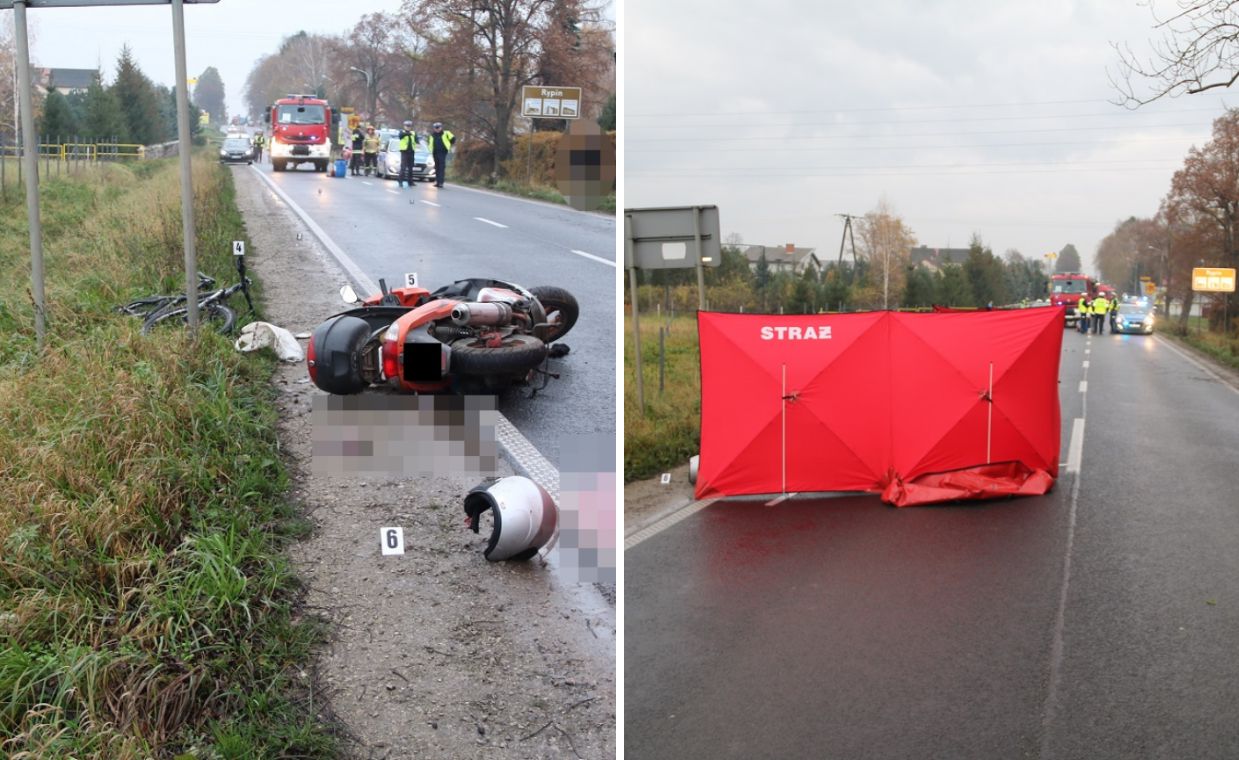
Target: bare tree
(887,242)
(1205,195)
(299,66)
(1198,51)
(369,55)
(481,52)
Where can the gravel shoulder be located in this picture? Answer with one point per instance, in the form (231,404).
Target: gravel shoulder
(436,653)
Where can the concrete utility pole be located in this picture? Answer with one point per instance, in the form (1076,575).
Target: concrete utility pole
(187,183)
(30,167)
(30,159)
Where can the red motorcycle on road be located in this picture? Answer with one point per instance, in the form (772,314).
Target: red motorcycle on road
(474,336)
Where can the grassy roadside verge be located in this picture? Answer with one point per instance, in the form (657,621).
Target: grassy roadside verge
(1220,348)
(669,432)
(146,609)
(536,192)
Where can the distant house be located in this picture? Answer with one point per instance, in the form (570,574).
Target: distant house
(66,81)
(783,258)
(936,258)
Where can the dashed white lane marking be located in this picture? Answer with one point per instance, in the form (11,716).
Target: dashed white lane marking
(393,192)
(523,455)
(666,522)
(431,203)
(367,184)
(1086,364)
(1083,386)
(487,221)
(1075,450)
(1088,351)
(608,262)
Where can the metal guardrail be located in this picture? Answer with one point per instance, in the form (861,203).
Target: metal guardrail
(80,151)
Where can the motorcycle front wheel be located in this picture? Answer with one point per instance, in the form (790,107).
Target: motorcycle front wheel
(554,300)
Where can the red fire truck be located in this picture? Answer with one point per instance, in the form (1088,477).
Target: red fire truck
(1066,289)
(300,132)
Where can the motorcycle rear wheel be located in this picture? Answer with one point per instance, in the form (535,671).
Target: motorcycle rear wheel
(557,299)
(516,357)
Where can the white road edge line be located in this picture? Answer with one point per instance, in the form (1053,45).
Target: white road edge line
(1083,386)
(1196,361)
(608,262)
(1075,449)
(666,522)
(487,221)
(521,453)
(532,202)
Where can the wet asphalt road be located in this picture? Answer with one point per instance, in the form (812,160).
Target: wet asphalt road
(441,238)
(843,628)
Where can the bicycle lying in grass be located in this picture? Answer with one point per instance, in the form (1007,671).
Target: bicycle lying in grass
(212,307)
(144,307)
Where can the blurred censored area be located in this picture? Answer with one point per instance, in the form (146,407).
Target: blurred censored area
(585,166)
(587,534)
(376,434)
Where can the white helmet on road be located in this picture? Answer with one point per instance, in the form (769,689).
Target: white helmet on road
(525,517)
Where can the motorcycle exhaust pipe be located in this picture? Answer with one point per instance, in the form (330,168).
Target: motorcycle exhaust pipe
(482,314)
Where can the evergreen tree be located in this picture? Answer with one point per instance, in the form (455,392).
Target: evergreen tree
(104,119)
(58,122)
(1068,260)
(920,291)
(954,289)
(136,95)
(209,94)
(606,120)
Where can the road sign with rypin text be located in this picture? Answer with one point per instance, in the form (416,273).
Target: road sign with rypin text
(1213,280)
(551,102)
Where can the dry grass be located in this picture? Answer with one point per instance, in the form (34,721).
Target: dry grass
(669,432)
(145,608)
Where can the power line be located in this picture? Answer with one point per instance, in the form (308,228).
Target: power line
(876,108)
(956,146)
(954,120)
(871,136)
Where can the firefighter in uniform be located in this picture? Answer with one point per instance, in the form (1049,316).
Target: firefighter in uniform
(359,137)
(370,147)
(440,144)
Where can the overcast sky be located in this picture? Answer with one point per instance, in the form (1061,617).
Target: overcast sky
(230,35)
(965,116)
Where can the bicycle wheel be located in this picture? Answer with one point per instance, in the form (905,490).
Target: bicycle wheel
(221,318)
(145,307)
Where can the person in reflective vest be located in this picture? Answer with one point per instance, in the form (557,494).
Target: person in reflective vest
(440,145)
(408,144)
(1084,313)
(259,141)
(1101,307)
(1114,314)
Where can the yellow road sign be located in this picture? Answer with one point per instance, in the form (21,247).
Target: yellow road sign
(1149,288)
(1213,280)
